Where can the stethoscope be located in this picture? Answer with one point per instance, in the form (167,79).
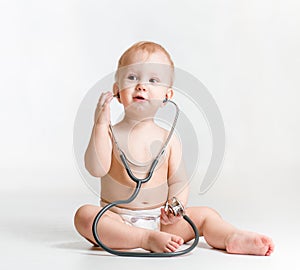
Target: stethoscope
(173,206)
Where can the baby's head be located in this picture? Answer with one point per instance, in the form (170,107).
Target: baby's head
(145,71)
(141,51)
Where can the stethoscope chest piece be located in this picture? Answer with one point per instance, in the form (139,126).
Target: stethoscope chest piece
(174,207)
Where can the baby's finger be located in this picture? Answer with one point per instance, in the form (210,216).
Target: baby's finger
(174,219)
(163,217)
(103,98)
(107,102)
(163,213)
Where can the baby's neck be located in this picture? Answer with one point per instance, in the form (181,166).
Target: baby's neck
(136,122)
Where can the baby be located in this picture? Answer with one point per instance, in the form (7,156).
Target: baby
(143,80)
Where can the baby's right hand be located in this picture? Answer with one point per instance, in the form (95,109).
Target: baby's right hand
(102,113)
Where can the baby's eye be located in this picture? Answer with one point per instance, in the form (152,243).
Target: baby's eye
(154,80)
(132,77)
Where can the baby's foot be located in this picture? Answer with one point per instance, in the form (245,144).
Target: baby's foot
(244,242)
(161,242)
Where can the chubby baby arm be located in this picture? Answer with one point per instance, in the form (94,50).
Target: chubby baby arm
(177,180)
(98,154)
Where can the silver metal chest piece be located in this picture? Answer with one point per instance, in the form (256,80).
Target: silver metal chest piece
(175,207)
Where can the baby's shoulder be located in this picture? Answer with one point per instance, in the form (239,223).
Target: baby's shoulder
(174,140)
(161,129)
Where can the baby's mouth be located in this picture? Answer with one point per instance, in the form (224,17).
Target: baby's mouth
(139,98)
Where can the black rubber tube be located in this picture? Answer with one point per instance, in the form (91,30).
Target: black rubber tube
(139,254)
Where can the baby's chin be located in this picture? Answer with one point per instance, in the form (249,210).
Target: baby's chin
(141,112)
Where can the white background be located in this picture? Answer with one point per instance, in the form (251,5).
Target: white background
(245,52)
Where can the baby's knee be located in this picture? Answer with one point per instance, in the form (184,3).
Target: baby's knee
(83,218)
(210,212)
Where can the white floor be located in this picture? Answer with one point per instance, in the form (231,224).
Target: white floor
(37,232)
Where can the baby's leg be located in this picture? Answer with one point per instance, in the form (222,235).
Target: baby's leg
(220,234)
(114,233)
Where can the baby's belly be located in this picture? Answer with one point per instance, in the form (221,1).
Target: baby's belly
(149,196)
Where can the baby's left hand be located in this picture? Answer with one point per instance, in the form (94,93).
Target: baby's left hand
(167,218)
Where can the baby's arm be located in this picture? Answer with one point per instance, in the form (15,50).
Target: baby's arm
(98,154)
(177,176)
(177,181)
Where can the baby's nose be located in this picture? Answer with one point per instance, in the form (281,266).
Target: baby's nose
(141,87)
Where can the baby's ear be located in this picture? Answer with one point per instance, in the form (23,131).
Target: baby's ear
(168,96)
(169,93)
(116,91)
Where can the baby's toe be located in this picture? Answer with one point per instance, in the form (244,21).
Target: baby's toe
(269,243)
(171,247)
(177,239)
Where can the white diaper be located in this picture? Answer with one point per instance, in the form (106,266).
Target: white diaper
(147,219)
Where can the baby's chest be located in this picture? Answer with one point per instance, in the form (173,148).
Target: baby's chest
(140,170)
(142,151)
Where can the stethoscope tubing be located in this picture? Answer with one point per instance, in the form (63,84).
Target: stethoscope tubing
(139,254)
(139,183)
